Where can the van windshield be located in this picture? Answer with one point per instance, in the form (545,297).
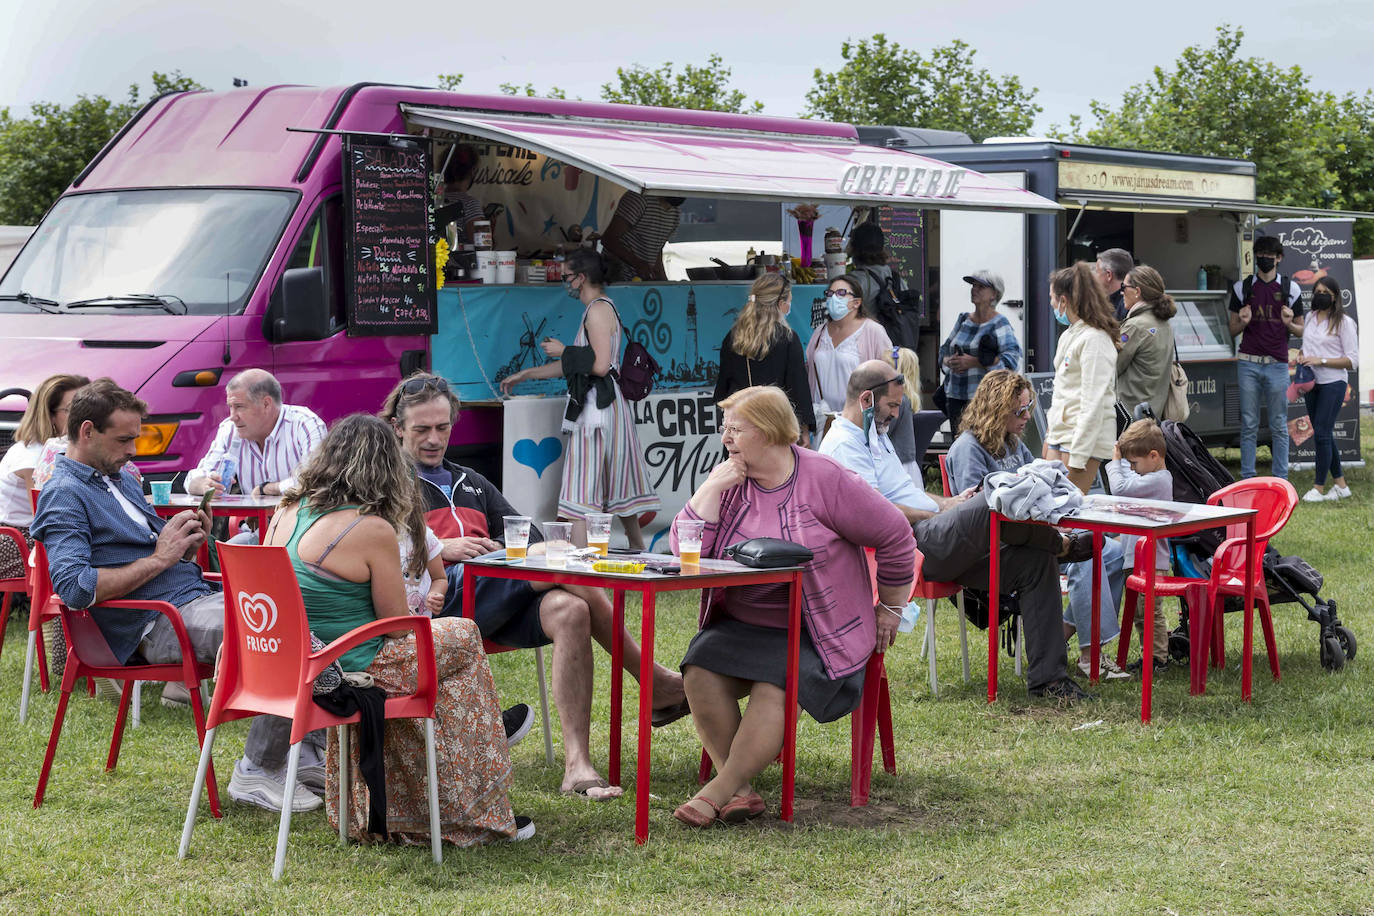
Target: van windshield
(205,247)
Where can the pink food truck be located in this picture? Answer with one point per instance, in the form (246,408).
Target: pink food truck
(219,231)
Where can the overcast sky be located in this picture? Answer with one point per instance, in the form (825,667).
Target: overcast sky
(53,50)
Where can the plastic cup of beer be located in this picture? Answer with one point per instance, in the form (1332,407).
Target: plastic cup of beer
(557,543)
(689,533)
(517,536)
(599,532)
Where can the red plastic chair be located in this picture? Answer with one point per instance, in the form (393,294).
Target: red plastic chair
(19,585)
(266,668)
(89,655)
(1274,500)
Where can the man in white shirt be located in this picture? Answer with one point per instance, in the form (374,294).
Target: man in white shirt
(862,444)
(265,439)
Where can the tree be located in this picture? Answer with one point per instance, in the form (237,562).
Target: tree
(880,82)
(528,90)
(449,81)
(703,88)
(41,154)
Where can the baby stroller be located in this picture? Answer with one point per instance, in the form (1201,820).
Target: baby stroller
(1196,476)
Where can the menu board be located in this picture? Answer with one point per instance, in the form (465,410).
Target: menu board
(903,228)
(390,237)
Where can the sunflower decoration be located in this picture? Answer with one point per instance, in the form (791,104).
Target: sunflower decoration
(440,260)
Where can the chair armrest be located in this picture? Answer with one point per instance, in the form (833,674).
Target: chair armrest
(426,679)
(1229,558)
(168,610)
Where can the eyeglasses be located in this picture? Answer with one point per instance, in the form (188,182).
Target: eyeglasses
(1125,285)
(840,292)
(416,385)
(734,430)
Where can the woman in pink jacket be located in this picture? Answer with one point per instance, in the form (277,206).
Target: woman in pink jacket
(770,487)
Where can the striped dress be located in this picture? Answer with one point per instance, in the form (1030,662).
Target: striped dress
(603,463)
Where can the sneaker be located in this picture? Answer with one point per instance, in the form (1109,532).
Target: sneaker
(1158,666)
(517,720)
(1338,492)
(252,785)
(1064,688)
(1317,496)
(1107,669)
(524,829)
(175,695)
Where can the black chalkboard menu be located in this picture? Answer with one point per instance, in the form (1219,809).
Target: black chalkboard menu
(390,240)
(903,229)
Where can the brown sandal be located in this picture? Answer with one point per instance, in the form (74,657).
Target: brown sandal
(742,807)
(693,817)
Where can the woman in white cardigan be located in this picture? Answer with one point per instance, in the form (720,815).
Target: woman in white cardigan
(1082,419)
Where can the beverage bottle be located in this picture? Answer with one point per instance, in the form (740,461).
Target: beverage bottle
(228,469)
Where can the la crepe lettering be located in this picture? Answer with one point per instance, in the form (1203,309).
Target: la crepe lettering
(900,181)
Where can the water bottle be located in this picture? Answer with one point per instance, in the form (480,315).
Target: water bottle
(228,467)
(1202,278)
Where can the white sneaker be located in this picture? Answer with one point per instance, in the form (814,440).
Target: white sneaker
(1338,492)
(524,829)
(1108,669)
(252,785)
(1317,496)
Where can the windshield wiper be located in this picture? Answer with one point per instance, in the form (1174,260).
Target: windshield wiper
(38,302)
(131,301)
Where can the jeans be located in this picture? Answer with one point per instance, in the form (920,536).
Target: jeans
(1323,403)
(1268,382)
(1079,612)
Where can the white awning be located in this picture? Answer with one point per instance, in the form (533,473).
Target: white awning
(670,161)
(1144,203)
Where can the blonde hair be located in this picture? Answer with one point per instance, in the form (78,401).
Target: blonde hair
(1150,285)
(37,425)
(909,365)
(760,321)
(1141,438)
(998,394)
(1078,285)
(768,409)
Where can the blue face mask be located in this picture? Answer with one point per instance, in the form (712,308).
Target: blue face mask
(868,420)
(836,307)
(1061,317)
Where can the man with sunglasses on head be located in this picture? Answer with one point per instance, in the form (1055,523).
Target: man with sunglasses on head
(466,512)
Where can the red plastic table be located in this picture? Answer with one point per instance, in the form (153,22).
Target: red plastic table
(709,574)
(1150,519)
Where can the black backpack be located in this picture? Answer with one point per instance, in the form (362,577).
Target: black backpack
(638,368)
(898,309)
(1197,475)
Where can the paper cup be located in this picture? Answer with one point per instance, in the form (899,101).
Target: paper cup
(162,492)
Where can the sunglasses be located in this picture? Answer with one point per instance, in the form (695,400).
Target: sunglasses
(1023,411)
(840,292)
(417,385)
(1125,285)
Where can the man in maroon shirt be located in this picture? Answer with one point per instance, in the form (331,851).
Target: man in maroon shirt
(1265,309)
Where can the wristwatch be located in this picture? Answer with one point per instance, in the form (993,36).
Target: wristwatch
(1323,360)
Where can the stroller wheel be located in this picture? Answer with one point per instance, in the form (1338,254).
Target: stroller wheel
(1332,656)
(1347,640)
(1178,646)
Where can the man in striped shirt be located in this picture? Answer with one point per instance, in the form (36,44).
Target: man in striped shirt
(265,439)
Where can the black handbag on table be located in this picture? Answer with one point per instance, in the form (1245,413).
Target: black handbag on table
(768,553)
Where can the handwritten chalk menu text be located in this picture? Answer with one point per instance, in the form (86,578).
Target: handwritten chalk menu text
(390,240)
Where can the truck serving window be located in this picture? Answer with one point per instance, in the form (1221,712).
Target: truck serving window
(205,247)
(1200,327)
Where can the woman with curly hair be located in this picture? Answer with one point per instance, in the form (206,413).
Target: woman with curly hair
(762,349)
(1082,420)
(339,526)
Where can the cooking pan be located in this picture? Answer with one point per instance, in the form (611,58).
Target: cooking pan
(722,271)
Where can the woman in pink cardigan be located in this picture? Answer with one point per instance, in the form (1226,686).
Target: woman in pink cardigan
(836,348)
(770,487)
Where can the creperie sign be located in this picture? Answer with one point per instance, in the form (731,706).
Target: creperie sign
(900,181)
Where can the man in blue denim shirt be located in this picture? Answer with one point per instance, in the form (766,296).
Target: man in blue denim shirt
(104,542)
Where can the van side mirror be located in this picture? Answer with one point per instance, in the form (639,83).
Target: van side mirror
(304,313)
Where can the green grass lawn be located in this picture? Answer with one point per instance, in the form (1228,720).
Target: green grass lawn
(1216,807)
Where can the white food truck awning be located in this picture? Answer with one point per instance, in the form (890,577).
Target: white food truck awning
(672,161)
(1162,204)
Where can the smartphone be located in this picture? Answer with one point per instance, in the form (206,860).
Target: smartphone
(205,500)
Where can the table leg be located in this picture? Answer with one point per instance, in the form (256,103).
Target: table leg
(617,681)
(994,601)
(1095,628)
(1251,571)
(789,726)
(646,707)
(1147,639)
(469,592)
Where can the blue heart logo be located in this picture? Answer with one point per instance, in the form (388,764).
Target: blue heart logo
(537,455)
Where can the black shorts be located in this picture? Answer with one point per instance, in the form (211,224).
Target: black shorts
(506,610)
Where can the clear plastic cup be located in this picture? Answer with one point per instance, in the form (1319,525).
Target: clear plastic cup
(557,543)
(689,532)
(162,492)
(517,536)
(599,532)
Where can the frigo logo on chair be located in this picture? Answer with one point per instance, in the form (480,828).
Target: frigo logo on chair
(259,614)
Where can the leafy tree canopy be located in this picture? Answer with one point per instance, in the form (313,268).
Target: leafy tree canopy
(704,88)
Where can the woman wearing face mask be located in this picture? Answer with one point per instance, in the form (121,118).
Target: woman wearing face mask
(1147,341)
(603,463)
(1330,345)
(846,339)
(1082,418)
(762,349)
